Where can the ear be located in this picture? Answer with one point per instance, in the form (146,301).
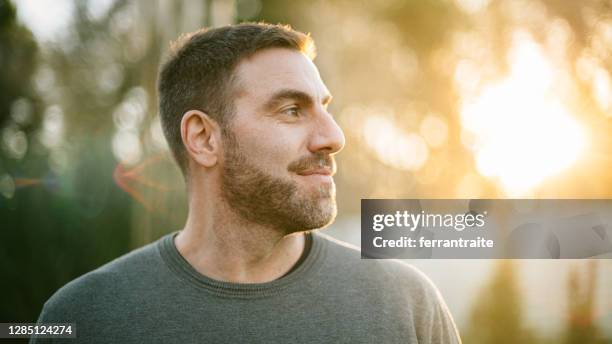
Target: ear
(201,137)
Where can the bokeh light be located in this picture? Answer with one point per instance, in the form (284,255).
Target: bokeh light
(394,147)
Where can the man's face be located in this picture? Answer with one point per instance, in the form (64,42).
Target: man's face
(278,148)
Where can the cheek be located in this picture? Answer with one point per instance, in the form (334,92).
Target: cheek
(271,150)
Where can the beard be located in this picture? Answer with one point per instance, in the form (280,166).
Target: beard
(258,197)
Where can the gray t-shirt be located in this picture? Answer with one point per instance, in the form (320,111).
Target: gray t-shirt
(153,295)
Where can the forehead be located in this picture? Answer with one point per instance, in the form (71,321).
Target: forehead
(270,70)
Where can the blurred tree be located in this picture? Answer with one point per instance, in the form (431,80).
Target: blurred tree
(62,214)
(18,54)
(581,327)
(497,315)
(89,178)
(19,117)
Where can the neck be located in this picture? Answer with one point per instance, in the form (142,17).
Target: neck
(222,246)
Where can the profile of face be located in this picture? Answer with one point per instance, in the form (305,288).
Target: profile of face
(279,146)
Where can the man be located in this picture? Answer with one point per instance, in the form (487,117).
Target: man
(244,111)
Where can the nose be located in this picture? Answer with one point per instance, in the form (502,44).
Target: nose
(326,136)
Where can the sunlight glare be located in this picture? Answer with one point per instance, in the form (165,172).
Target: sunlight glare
(522,132)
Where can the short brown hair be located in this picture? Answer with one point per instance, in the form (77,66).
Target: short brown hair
(199,71)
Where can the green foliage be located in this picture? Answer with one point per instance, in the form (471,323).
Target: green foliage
(18,54)
(61,212)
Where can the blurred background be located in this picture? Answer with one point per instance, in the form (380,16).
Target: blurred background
(437,98)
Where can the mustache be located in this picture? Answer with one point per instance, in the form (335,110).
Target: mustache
(316,160)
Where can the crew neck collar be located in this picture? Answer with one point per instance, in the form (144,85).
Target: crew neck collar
(177,263)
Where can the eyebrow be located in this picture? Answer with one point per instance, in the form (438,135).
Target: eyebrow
(292,94)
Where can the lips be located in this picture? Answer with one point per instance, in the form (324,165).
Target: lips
(324,171)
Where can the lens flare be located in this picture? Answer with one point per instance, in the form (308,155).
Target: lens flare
(128,179)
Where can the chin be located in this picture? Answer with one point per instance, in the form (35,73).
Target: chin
(327,214)
(313,216)
(330,219)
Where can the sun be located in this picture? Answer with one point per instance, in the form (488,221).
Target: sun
(521,132)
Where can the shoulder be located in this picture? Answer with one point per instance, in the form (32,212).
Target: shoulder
(395,284)
(389,276)
(101,286)
(349,256)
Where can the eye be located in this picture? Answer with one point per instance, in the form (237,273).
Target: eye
(292,111)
